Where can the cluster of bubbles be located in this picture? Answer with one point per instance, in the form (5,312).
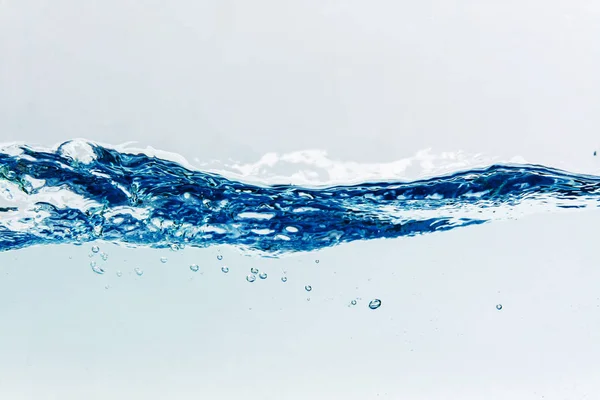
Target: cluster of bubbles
(254,272)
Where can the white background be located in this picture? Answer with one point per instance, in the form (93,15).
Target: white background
(368,82)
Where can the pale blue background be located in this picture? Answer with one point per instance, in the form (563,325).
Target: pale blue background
(367,81)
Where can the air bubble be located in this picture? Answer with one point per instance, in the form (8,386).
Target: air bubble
(164,260)
(194,267)
(263,275)
(251,278)
(353,302)
(254,270)
(316,261)
(95,249)
(374,304)
(139,271)
(283,279)
(225,269)
(104,256)
(96,268)
(498,307)
(308,288)
(219,257)
(119,274)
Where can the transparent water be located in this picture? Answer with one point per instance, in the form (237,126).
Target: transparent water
(474,271)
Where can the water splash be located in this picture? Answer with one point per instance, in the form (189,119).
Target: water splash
(82,192)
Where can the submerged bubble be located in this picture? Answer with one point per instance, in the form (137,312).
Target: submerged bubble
(104,256)
(164,260)
(353,302)
(219,257)
(498,307)
(254,270)
(308,288)
(174,247)
(251,278)
(194,267)
(225,269)
(263,275)
(97,269)
(316,261)
(107,287)
(119,274)
(374,304)
(139,271)
(95,249)
(283,279)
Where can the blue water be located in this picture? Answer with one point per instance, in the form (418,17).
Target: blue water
(54,197)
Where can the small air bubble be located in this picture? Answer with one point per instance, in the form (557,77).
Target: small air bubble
(263,275)
(374,304)
(283,279)
(219,257)
(104,256)
(194,267)
(186,196)
(225,269)
(498,307)
(254,270)
(251,278)
(316,261)
(163,260)
(119,274)
(308,288)
(96,268)
(107,287)
(174,247)
(95,249)
(353,302)
(139,271)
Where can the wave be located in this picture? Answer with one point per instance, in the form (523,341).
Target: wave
(82,191)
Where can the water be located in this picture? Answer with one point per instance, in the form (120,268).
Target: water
(57,197)
(440,288)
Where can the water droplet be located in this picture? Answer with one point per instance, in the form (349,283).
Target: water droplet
(225,269)
(308,288)
(104,256)
(374,304)
(254,270)
(163,260)
(284,279)
(316,261)
(119,274)
(96,268)
(251,278)
(498,307)
(95,249)
(263,275)
(353,302)
(139,271)
(194,267)
(219,257)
